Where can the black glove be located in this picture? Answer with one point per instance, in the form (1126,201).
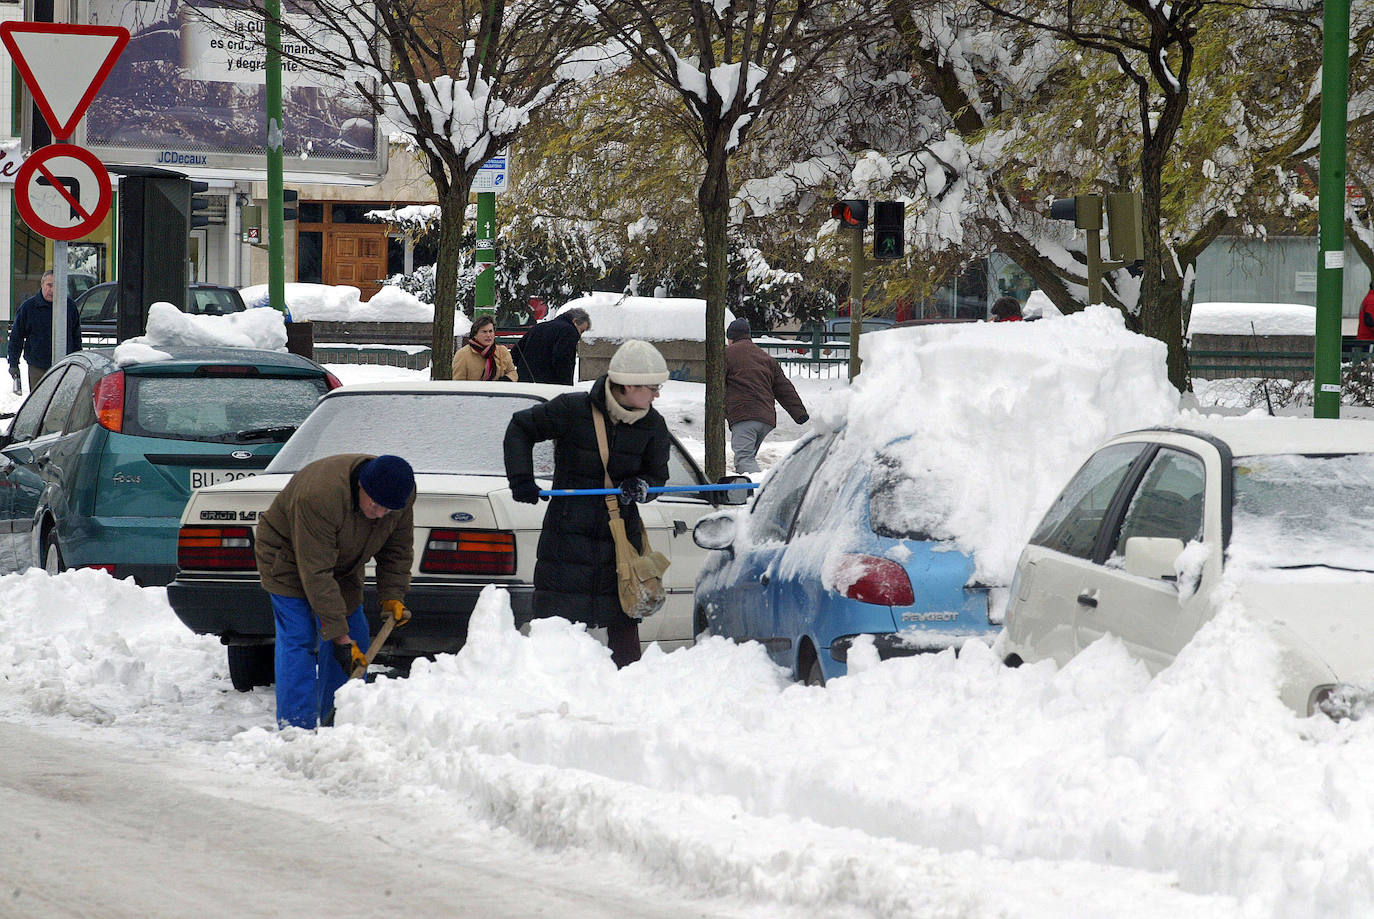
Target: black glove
(803,419)
(525,492)
(633,491)
(14,371)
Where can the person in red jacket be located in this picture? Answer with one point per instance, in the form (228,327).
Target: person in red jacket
(1006,309)
(1365,331)
(753,382)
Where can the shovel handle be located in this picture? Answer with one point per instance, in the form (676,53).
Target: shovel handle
(360,671)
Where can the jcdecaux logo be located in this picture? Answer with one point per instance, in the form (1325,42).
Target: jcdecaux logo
(182,159)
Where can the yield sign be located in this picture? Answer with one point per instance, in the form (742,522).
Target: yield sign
(63,66)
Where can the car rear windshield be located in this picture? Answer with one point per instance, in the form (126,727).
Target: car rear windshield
(1294,511)
(219,409)
(440,432)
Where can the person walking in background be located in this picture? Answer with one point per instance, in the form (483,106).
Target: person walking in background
(574,571)
(333,517)
(1006,309)
(31,333)
(1365,324)
(482,358)
(754,380)
(547,353)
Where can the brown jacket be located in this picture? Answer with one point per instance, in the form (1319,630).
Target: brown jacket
(753,382)
(314,542)
(468,364)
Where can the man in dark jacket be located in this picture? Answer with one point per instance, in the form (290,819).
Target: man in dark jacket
(31,333)
(313,543)
(547,353)
(574,575)
(753,382)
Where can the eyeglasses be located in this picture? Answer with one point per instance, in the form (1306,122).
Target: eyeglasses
(653,389)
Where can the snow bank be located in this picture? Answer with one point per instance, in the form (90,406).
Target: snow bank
(170,327)
(1217,318)
(617,318)
(341,303)
(999,415)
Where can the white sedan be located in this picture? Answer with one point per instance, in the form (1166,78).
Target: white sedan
(468,531)
(1141,537)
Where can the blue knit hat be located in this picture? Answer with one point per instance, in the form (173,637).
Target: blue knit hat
(388,480)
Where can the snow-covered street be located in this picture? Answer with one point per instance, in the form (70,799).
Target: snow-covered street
(527,776)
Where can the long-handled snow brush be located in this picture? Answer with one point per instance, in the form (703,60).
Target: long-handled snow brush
(653,490)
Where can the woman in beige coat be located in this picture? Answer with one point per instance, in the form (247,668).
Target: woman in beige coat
(481,358)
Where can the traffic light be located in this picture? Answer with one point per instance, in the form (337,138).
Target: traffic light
(1084,210)
(289,198)
(889,229)
(200,206)
(851,213)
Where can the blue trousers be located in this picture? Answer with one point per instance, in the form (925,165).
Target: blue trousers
(307,673)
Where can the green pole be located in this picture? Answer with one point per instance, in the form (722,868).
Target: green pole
(276,230)
(1326,372)
(484,301)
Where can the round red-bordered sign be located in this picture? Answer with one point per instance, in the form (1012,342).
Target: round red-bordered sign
(62,191)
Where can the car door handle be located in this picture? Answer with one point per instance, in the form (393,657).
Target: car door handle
(763,579)
(1088,598)
(679,527)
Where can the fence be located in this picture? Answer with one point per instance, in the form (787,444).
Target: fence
(1274,357)
(810,357)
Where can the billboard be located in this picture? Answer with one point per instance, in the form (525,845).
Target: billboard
(189,94)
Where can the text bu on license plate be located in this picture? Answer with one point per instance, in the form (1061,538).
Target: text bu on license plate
(202,477)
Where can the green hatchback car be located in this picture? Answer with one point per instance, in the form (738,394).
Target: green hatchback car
(101,458)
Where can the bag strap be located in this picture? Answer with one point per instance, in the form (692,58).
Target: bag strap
(599,422)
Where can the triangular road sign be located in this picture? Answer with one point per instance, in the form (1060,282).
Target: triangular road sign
(63,66)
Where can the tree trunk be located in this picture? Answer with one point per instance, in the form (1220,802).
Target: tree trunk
(713,199)
(453,204)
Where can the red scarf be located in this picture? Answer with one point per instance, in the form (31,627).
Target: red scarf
(489,355)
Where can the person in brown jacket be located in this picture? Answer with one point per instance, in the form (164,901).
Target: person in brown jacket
(331,519)
(482,358)
(753,382)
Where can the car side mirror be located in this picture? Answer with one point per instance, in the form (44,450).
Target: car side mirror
(715,532)
(1153,557)
(21,455)
(735,496)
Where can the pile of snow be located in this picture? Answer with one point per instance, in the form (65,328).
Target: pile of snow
(616,317)
(170,327)
(997,416)
(1218,318)
(1038,305)
(342,303)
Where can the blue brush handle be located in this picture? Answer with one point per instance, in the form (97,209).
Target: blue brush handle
(655,490)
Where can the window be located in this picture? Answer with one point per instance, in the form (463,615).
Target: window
(1168,502)
(93,307)
(771,517)
(26,423)
(1071,524)
(213,408)
(309,256)
(55,418)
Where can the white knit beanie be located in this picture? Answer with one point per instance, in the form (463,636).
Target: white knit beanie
(637,363)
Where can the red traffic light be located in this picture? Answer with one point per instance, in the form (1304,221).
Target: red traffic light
(851,213)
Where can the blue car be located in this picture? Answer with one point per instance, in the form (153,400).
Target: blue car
(837,546)
(101,458)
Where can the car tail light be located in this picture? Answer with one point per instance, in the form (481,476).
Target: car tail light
(870,579)
(221,548)
(108,569)
(469,552)
(109,401)
(332,381)
(228,370)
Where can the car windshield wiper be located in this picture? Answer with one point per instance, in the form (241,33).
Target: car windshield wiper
(1323,565)
(276,432)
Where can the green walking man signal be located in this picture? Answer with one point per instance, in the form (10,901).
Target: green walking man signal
(889,229)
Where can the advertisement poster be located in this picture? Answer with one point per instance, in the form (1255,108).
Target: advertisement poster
(189,94)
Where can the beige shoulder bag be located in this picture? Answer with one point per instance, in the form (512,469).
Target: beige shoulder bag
(639,576)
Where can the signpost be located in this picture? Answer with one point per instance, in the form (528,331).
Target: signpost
(62,191)
(491,180)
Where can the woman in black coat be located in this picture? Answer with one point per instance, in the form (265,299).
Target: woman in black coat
(574,573)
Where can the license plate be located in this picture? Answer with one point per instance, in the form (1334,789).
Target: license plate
(202,477)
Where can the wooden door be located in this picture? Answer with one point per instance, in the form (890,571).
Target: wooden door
(357,256)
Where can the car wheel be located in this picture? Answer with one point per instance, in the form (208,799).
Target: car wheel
(809,667)
(52,556)
(700,627)
(251,666)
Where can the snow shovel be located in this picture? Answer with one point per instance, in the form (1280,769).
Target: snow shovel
(360,670)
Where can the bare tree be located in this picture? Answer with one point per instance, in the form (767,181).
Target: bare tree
(730,63)
(464,76)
